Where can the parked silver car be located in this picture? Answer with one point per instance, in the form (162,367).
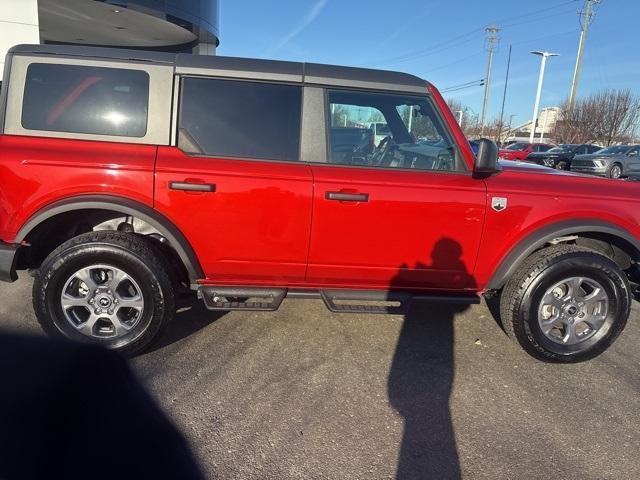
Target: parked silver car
(613,162)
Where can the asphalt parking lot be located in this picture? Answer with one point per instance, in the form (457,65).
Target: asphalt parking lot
(306,394)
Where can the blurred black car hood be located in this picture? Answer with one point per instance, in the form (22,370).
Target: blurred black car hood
(595,156)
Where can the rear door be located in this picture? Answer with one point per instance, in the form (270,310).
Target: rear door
(406,214)
(234,184)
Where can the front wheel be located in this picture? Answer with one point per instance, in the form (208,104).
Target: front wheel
(108,288)
(615,171)
(566,304)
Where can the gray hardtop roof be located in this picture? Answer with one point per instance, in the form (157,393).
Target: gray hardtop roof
(309,73)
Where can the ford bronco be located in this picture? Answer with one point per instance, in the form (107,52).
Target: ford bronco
(128,176)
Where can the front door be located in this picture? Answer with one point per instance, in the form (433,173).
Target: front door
(234,185)
(405,213)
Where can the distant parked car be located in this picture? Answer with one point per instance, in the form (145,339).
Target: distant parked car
(613,162)
(560,157)
(475,146)
(520,150)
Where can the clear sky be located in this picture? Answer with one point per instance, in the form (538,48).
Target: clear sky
(443,42)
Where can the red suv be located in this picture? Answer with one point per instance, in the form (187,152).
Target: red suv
(127,176)
(520,150)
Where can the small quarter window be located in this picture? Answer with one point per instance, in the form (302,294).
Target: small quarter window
(90,100)
(231,118)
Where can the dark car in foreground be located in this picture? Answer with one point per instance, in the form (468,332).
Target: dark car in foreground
(560,157)
(613,162)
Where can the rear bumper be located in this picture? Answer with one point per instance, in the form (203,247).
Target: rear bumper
(8,262)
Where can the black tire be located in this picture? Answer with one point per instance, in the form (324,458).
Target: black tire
(615,171)
(129,254)
(562,165)
(522,297)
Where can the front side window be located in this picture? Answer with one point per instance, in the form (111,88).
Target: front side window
(517,146)
(390,131)
(230,118)
(90,100)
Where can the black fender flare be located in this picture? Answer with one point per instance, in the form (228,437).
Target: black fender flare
(537,239)
(126,207)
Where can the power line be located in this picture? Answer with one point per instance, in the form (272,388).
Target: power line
(467,37)
(504,95)
(462,86)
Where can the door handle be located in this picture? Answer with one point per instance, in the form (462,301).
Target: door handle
(192,187)
(347,197)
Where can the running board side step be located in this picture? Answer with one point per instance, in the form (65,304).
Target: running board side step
(238,298)
(339,301)
(373,301)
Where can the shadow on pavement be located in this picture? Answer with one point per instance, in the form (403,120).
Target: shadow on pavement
(421,379)
(191,317)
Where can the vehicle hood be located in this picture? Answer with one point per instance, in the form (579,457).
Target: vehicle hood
(546,155)
(519,166)
(595,156)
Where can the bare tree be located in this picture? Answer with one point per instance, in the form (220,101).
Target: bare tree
(605,117)
(469,122)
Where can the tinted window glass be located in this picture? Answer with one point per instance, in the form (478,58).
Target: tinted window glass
(230,118)
(415,138)
(93,100)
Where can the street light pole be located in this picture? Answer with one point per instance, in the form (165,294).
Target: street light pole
(536,105)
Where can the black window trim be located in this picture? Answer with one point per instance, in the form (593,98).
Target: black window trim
(428,97)
(179,80)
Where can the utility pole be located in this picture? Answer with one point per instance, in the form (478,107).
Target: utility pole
(460,113)
(492,40)
(586,17)
(504,96)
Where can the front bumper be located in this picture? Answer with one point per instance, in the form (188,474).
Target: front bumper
(8,254)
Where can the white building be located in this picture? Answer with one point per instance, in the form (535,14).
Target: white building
(544,126)
(165,25)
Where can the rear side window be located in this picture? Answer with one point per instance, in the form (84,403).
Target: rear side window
(231,118)
(91,100)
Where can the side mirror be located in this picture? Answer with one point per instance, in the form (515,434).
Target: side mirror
(487,157)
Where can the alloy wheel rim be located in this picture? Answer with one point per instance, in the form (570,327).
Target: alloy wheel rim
(102,302)
(573,310)
(615,172)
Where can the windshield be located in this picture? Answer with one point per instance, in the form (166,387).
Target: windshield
(561,148)
(618,149)
(517,146)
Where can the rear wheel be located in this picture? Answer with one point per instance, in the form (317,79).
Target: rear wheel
(566,304)
(109,288)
